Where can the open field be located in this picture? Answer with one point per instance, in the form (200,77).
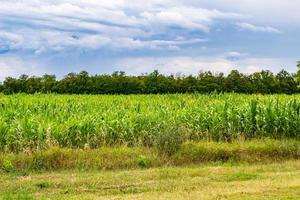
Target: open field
(30,122)
(218,146)
(153,99)
(214,181)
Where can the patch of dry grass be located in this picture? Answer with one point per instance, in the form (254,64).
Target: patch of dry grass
(260,181)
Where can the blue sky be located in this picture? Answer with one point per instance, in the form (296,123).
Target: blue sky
(173,36)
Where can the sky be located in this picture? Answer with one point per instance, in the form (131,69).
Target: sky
(172,36)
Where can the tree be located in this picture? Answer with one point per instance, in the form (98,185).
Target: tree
(152,83)
(286,83)
(155,83)
(209,82)
(33,85)
(48,83)
(237,82)
(264,82)
(297,76)
(10,86)
(83,83)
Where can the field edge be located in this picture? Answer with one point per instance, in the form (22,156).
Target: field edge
(112,158)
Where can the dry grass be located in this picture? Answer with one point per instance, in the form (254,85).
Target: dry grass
(112,158)
(260,181)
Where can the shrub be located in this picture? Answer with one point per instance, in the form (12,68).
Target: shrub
(169,141)
(143,162)
(7,165)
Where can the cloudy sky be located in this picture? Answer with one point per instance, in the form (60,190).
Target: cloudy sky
(185,36)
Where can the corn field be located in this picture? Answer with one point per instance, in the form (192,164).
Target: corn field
(89,121)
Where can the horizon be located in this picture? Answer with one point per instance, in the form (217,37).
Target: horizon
(176,74)
(58,37)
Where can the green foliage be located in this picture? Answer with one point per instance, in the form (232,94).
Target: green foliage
(50,159)
(7,165)
(36,122)
(297,75)
(19,196)
(42,185)
(109,158)
(105,158)
(237,151)
(143,162)
(241,176)
(264,82)
(169,141)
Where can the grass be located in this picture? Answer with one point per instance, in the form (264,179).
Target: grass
(39,122)
(209,181)
(112,158)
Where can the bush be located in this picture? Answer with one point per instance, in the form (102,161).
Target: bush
(7,165)
(143,162)
(49,160)
(169,141)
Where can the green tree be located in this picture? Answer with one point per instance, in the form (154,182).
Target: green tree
(48,82)
(237,82)
(155,83)
(297,76)
(286,83)
(264,82)
(209,82)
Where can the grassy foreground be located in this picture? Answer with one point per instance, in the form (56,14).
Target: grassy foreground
(208,170)
(214,181)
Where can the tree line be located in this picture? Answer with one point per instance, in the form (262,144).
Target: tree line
(264,82)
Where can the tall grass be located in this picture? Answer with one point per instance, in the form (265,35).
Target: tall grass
(111,158)
(30,122)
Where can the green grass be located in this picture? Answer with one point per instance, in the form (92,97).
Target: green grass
(207,182)
(112,158)
(33,122)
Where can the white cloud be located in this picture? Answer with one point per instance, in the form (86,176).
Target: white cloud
(272,12)
(254,28)
(70,27)
(234,55)
(188,17)
(14,66)
(10,41)
(193,65)
(57,41)
(50,25)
